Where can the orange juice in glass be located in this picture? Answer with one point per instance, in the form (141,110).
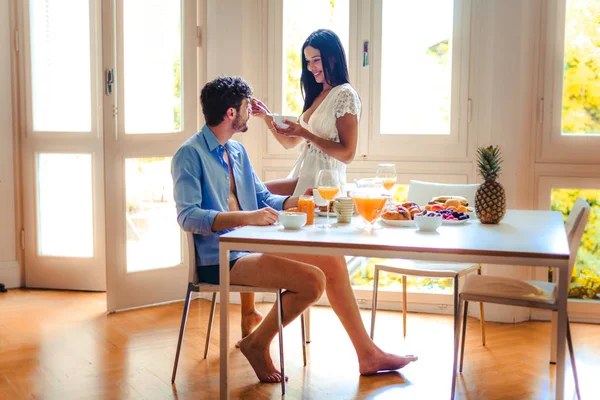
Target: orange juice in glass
(370,199)
(306,205)
(328,192)
(388,184)
(328,185)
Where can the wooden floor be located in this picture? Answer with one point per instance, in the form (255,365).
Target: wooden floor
(62,345)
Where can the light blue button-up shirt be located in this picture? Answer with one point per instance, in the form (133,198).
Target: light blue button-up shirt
(201,189)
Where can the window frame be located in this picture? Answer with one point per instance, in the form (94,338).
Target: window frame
(453,145)
(552,145)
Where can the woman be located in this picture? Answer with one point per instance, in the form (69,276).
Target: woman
(328,126)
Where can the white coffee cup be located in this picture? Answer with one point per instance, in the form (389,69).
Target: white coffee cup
(279,120)
(344,207)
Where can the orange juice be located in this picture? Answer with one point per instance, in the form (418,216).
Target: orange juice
(369,207)
(307,205)
(328,192)
(388,184)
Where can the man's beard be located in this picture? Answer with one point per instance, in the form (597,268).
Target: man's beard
(237,124)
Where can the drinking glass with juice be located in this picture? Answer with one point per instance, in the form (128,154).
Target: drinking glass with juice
(306,204)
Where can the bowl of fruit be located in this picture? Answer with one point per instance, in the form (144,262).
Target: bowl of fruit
(428,221)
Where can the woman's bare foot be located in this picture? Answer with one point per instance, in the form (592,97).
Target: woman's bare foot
(380,361)
(249,323)
(261,362)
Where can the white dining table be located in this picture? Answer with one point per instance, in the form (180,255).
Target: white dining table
(523,237)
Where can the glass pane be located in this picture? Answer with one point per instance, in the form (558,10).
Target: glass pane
(581,79)
(65,205)
(60,65)
(300,19)
(585,282)
(153,235)
(416,67)
(152,65)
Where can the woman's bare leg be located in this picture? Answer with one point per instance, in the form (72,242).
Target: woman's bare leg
(304,285)
(341,297)
(284,187)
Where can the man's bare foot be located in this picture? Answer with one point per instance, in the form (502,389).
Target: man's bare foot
(249,323)
(380,361)
(261,362)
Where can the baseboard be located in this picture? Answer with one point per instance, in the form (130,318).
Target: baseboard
(10,274)
(579,311)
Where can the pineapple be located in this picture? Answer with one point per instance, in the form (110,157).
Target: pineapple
(490,199)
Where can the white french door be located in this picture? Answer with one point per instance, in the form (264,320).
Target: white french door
(62,149)
(150,103)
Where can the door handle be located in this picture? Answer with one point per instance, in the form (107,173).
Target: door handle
(109,80)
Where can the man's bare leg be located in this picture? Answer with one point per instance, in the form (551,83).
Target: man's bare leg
(304,285)
(251,317)
(371,358)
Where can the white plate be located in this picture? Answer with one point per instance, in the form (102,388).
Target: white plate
(324,214)
(452,222)
(399,222)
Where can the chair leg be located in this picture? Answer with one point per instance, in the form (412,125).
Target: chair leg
(481,315)
(464,335)
(572,354)
(186,307)
(307,324)
(456,335)
(404,304)
(374,306)
(281,360)
(303,331)
(210,323)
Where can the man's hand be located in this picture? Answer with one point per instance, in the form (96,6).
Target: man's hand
(262,217)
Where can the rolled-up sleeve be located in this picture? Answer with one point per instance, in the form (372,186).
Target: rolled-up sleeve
(186,170)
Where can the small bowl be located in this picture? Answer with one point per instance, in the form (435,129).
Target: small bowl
(428,224)
(279,120)
(292,220)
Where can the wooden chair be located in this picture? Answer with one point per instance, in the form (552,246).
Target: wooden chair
(421,193)
(525,293)
(194,285)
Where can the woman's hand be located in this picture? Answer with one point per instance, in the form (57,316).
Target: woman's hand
(293,130)
(259,109)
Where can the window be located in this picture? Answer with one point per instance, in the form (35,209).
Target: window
(300,19)
(581,76)
(571,123)
(416,66)
(419,86)
(585,282)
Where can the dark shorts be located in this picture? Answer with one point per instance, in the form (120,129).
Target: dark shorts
(210,273)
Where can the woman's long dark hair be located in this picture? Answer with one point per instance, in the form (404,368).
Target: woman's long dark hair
(333,59)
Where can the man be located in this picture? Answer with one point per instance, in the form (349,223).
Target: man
(216,190)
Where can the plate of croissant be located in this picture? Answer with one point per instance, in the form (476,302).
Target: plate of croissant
(401,214)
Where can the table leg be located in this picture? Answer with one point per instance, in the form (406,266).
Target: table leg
(224,306)
(563,287)
(554,332)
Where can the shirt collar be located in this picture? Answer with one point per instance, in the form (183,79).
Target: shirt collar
(210,138)
(213,143)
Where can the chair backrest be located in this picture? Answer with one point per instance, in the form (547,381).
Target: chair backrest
(191,253)
(422,192)
(575,225)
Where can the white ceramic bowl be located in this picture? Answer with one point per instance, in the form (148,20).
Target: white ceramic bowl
(279,118)
(425,223)
(292,220)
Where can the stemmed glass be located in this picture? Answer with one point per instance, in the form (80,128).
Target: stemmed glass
(328,186)
(387,173)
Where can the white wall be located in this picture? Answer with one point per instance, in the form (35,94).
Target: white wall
(9,267)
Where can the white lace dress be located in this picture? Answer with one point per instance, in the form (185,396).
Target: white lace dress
(340,101)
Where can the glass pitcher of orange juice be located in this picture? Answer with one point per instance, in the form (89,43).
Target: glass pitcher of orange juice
(306,204)
(370,198)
